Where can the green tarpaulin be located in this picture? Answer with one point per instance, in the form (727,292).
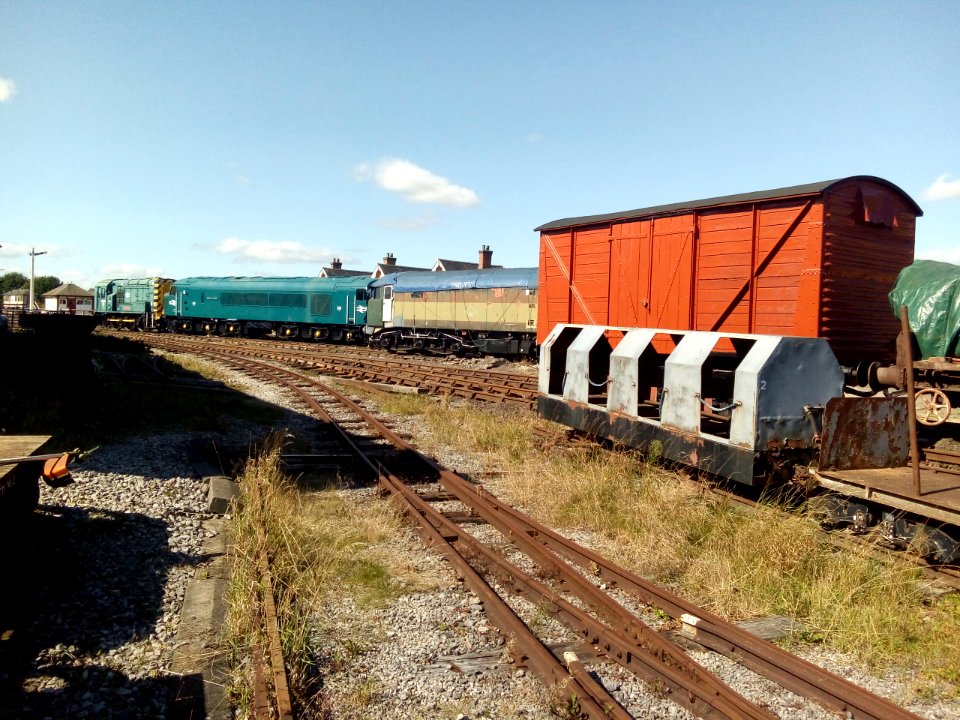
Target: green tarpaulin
(931,292)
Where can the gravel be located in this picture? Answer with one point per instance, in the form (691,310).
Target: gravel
(119,547)
(106,566)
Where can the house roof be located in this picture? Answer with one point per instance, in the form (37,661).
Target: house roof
(809,189)
(68,290)
(456,264)
(333,272)
(387,269)
(18,291)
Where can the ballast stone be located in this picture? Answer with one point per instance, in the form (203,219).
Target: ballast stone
(221,493)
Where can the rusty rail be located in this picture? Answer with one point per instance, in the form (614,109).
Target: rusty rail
(629,643)
(763,657)
(266,610)
(769,660)
(623,638)
(369,366)
(442,534)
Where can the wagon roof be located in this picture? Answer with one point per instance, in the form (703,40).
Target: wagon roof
(816,188)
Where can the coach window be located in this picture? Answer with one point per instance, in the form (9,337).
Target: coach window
(291,300)
(320,304)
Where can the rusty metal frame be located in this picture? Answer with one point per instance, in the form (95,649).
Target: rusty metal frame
(700,451)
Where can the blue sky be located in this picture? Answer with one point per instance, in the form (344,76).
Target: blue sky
(208,138)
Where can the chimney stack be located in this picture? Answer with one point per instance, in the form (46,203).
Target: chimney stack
(336,264)
(389,259)
(486,257)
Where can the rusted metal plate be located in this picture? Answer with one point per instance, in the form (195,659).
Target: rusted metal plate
(865,433)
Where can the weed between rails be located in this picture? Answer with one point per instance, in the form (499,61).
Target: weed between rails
(739,564)
(321,548)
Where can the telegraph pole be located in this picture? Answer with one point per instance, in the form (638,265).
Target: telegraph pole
(33,255)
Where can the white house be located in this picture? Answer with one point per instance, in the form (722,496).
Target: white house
(70,299)
(16,299)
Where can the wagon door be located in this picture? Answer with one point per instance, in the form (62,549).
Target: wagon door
(630,275)
(671,269)
(102,299)
(351,307)
(388,306)
(360,306)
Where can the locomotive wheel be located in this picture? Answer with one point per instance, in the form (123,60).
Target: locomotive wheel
(933,406)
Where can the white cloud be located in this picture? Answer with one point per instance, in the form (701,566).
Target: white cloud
(942,189)
(8,88)
(277,251)
(414,184)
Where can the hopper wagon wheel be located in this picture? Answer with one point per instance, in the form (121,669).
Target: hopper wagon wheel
(933,406)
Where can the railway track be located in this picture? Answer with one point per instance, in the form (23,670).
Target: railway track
(367,366)
(571,583)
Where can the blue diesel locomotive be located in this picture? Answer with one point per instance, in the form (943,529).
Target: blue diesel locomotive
(305,308)
(131,303)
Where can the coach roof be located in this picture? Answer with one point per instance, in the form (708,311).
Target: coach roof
(460,280)
(811,189)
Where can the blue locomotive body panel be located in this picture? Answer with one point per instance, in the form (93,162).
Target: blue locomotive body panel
(289,306)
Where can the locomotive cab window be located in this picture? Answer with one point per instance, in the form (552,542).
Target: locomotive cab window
(388,292)
(361,294)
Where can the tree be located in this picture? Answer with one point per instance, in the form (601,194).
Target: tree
(44,283)
(13,281)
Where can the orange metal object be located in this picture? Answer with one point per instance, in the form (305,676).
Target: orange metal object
(811,261)
(55,470)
